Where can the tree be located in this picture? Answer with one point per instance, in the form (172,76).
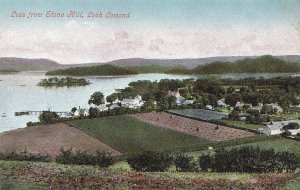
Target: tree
(73,109)
(184,163)
(234,115)
(97,98)
(112,97)
(150,161)
(48,116)
(232,99)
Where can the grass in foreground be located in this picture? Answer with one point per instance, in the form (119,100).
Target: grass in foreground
(130,135)
(87,177)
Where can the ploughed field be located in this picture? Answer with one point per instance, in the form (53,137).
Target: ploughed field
(192,127)
(130,135)
(49,139)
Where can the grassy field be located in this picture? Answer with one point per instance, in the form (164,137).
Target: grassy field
(278,144)
(24,175)
(242,124)
(130,135)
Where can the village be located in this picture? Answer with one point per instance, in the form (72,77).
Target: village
(264,115)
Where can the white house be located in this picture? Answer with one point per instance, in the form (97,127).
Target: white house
(114,106)
(102,107)
(276,106)
(222,103)
(132,103)
(116,101)
(239,105)
(275,128)
(81,112)
(209,107)
(188,102)
(176,94)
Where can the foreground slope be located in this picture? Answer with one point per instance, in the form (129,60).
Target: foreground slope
(49,139)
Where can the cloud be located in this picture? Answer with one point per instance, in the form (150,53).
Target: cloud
(90,42)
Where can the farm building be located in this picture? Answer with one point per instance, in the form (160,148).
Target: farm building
(275,128)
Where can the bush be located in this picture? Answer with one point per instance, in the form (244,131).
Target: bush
(291,125)
(150,161)
(48,116)
(184,163)
(24,157)
(249,159)
(234,115)
(100,159)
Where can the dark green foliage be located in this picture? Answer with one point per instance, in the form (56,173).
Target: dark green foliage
(291,125)
(97,98)
(100,159)
(61,82)
(150,161)
(249,159)
(48,116)
(232,99)
(184,163)
(24,157)
(94,70)
(234,115)
(263,64)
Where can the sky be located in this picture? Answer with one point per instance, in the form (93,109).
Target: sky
(159,29)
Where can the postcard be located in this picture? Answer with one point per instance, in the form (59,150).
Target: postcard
(149,94)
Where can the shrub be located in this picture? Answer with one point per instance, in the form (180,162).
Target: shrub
(48,116)
(291,125)
(100,159)
(234,115)
(24,157)
(150,161)
(184,163)
(249,159)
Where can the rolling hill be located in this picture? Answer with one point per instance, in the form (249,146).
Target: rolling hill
(22,64)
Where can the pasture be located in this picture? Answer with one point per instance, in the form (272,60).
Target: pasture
(130,135)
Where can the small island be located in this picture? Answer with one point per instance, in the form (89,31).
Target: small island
(61,82)
(8,71)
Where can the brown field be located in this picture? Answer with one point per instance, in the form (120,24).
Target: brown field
(49,139)
(197,128)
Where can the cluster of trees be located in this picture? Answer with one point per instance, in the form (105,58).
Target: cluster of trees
(100,159)
(245,159)
(209,91)
(249,159)
(48,116)
(93,71)
(60,82)
(263,64)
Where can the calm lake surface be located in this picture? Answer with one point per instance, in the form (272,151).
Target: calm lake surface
(20,92)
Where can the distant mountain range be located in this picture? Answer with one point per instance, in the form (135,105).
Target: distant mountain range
(22,64)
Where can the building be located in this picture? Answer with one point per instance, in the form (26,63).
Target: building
(102,107)
(209,107)
(114,106)
(222,103)
(81,112)
(276,107)
(275,128)
(188,102)
(132,103)
(176,94)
